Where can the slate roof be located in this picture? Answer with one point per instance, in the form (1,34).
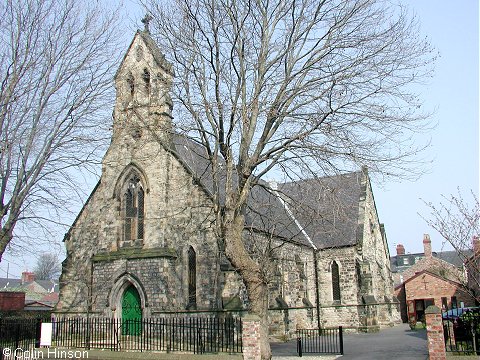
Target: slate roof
(451,257)
(9,284)
(16,284)
(327,208)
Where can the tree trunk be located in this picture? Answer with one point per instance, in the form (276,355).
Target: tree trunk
(5,238)
(251,273)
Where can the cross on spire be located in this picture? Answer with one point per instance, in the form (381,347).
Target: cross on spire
(146,21)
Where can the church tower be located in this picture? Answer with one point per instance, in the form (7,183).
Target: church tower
(143,104)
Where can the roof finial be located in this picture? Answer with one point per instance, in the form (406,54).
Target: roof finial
(146,21)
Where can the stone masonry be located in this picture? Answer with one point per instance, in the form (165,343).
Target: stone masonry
(168,249)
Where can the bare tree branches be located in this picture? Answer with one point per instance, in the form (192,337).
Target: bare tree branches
(302,87)
(55,78)
(457,220)
(47,267)
(298,80)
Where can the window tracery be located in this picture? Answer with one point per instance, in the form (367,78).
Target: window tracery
(133,212)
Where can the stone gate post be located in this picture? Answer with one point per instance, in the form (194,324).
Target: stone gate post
(435,337)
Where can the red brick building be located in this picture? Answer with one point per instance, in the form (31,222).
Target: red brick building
(42,293)
(429,278)
(426,288)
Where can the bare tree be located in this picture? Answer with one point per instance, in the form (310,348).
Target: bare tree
(299,87)
(457,220)
(47,267)
(55,78)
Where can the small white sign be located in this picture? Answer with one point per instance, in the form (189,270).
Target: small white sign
(46,334)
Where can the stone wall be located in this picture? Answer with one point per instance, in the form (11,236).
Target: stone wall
(177,211)
(366,284)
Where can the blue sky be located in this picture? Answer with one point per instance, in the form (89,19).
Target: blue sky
(453,95)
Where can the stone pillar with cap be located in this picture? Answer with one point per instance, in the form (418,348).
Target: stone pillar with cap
(435,337)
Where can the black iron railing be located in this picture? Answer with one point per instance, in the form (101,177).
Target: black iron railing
(186,334)
(320,341)
(19,334)
(461,330)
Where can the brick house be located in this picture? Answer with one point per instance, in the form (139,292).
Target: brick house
(145,238)
(426,288)
(42,293)
(429,278)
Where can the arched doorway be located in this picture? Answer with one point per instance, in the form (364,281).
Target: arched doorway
(131,312)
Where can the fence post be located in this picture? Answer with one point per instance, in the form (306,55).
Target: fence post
(436,341)
(251,337)
(340,338)
(38,331)
(299,346)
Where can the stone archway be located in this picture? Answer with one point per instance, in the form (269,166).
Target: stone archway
(122,285)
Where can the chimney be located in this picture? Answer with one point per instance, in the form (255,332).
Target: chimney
(427,245)
(476,244)
(400,249)
(27,276)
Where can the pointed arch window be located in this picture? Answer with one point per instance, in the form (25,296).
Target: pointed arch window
(192,278)
(134,212)
(131,84)
(146,80)
(335,282)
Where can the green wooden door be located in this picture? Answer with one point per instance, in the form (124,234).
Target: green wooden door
(131,312)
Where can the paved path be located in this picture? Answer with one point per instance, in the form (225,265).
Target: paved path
(397,343)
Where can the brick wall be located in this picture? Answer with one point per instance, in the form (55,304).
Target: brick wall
(10,300)
(250,337)
(426,286)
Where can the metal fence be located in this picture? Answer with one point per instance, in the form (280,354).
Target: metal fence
(186,334)
(461,329)
(19,333)
(320,341)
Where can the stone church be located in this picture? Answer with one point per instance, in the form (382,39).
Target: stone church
(144,243)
